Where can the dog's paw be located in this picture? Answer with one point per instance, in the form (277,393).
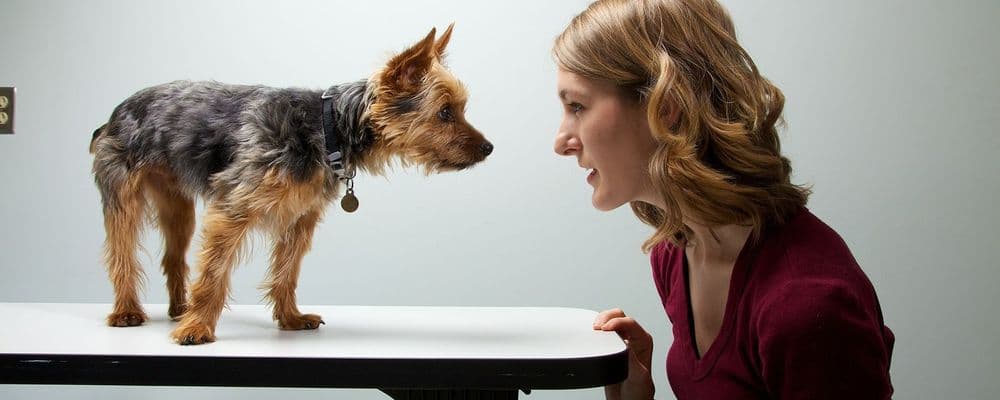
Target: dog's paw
(299,322)
(130,318)
(176,311)
(193,334)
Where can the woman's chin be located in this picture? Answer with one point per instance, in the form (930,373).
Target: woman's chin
(603,203)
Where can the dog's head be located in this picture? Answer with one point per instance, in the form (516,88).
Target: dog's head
(419,110)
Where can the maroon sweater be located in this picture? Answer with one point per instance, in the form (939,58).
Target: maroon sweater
(801,322)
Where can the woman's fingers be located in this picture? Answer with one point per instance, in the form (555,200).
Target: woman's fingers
(639,341)
(606,316)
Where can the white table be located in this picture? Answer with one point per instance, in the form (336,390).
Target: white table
(407,352)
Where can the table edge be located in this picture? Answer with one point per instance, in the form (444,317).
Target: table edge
(383,373)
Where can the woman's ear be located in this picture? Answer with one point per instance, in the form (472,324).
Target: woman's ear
(672,111)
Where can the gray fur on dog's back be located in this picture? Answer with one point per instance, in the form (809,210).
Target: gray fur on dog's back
(212,136)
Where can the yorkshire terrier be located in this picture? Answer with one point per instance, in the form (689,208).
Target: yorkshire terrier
(266,158)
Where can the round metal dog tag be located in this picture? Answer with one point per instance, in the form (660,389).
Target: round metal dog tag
(350,202)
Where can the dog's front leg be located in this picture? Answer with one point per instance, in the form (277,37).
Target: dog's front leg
(224,232)
(290,245)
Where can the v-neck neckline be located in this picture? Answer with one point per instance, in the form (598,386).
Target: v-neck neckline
(737,282)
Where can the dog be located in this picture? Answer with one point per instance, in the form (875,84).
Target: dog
(263,158)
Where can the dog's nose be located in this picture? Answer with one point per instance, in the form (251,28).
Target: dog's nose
(487,148)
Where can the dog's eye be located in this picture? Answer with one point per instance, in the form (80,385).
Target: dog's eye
(445,114)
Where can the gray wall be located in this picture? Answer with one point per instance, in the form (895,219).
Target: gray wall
(892,116)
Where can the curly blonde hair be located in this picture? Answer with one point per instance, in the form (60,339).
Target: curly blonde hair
(713,115)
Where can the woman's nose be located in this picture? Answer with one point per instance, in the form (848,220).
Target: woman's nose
(566,144)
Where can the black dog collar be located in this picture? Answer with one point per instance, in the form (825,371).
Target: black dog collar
(334,155)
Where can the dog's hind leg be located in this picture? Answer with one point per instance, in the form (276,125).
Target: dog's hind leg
(286,260)
(123,217)
(224,231)
(175,218)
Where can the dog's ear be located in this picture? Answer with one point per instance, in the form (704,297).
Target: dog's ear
(407,69)
(442,42)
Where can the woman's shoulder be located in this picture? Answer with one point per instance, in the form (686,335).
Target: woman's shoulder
(807,247)
(811,277)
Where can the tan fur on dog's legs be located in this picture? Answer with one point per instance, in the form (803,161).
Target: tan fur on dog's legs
(122,224)
(175,217)
(286,260)
(224,231)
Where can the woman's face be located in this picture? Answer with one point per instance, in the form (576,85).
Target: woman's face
(610,138)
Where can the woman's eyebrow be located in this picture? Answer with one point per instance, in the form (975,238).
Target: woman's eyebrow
(563,93)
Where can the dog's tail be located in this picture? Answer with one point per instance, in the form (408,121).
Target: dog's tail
(97,133)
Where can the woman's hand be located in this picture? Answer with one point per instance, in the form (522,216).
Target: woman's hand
(639,383)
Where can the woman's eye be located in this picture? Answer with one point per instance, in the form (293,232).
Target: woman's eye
(445,114)
(575,107)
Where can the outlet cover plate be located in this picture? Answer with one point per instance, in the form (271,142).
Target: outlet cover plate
(7,109)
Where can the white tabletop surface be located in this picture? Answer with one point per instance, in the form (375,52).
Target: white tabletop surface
(365,332)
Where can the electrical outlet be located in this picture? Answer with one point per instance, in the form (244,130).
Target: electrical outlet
(7,109)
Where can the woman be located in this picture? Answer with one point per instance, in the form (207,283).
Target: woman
(670,114)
